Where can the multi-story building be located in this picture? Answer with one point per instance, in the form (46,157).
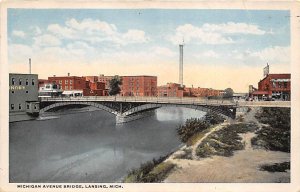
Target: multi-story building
(170,90)
(96,87)
(89,85)
(105,79)
(273,86)
(69,82)
(139,85)
(23,97)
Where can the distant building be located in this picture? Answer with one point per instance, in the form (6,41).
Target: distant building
(205,92)
(88,85)
(96,87)
(23,97)
(105,79)
(273,86)
(50,90)
(139,86)
(42,82)
(170,90)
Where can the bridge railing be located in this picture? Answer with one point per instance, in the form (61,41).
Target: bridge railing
(174,100)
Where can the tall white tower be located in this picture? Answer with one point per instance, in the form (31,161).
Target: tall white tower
(181,64)
(29,65)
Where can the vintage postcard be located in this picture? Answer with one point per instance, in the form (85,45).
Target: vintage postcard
(150,96)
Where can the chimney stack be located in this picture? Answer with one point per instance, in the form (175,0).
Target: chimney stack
(54,75)
(181,64)
(29,65)
(68,74)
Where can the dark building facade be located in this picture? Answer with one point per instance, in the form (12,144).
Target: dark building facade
(23,97)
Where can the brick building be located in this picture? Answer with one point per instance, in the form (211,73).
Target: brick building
(88,85)
(105,79)
(96,87)
(139,85)
(170,90)
(205,92)
(273,86)
(42,82)
(175,90)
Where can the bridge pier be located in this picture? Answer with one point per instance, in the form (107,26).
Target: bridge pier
(121,118)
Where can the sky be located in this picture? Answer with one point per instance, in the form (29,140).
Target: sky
(222,48)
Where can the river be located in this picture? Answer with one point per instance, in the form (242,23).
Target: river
(89,146)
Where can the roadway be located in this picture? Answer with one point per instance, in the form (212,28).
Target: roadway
(172,100)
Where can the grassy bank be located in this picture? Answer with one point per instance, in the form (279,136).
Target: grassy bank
(276,135)
(153,171)
(225,141)
(277,167)
(195,128)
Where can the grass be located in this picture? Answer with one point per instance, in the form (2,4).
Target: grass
(277,167)
(150,172)
(196,137)
(225,141)
(187,154)
(156,175)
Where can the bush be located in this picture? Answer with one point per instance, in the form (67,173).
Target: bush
(148,172)
(277,135)
(191,127)
(277,167)
(195,125)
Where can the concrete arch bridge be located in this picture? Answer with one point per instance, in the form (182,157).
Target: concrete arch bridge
(130,108)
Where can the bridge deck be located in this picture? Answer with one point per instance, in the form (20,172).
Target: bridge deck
(172,100)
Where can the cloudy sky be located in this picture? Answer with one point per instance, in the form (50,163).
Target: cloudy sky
(223,48)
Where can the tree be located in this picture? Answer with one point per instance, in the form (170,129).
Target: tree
(114,85)
(228,93)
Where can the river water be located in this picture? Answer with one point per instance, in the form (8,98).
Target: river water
(89,146)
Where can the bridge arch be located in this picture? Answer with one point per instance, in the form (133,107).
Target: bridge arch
(87,103)
(225,112)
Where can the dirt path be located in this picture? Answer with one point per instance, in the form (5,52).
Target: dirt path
(243,166)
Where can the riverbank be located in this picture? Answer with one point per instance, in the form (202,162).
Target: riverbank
(222,156)
(254,148)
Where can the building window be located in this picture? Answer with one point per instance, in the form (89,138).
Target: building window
(71,81)
(66,81)
(35,107)
(285,84)
(12,106)
(27,106)
(20,106)
(20,81)
(66,87)
(60,81)
(13,81)
(71,87)
(27,82)
(32,82)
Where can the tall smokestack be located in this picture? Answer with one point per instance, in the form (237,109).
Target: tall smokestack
(29,65)
(181,64)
